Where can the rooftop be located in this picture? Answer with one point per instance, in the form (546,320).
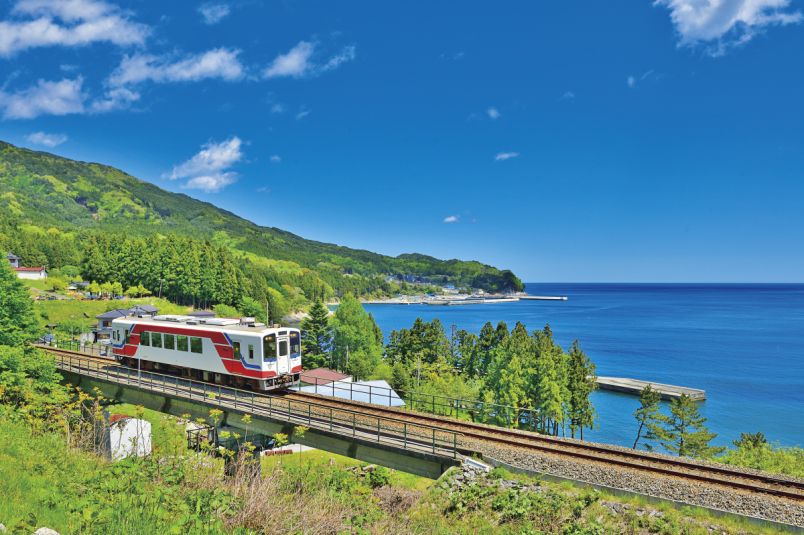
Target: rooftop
(322,376)
(39,268)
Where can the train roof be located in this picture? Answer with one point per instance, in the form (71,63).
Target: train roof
(217,324)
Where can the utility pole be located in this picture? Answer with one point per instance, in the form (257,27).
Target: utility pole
(161,280)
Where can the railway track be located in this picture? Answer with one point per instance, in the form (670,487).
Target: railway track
(474,436)
(592,452)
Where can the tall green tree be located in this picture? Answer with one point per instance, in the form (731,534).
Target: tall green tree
(648,416)
(685,431)
(508,373)
(581,382)
(355,346)
(17,320)
(316,337)
(546,387)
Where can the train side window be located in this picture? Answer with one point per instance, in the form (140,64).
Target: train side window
(126,336)
(170,341)
(181,343)
(269,347)
(156,339)
(145,338)
(237,350)
(295,346)
(251,351)
(283,348)
(195,345)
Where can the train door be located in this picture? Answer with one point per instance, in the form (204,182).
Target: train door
(283,354)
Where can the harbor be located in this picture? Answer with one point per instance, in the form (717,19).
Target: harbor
(635,386)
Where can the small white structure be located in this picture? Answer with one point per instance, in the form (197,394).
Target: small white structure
(375,392)
(31,273)
(127,436)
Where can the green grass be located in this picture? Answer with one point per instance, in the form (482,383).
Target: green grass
(316,460)
(36,474)
(77,312)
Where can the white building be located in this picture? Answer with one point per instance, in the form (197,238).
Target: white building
(32,273)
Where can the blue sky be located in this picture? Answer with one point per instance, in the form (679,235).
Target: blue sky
(568,141)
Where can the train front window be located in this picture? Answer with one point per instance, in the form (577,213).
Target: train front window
(269,347)
(283,348)
(295,344)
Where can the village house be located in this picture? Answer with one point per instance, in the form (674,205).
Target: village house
(30,273)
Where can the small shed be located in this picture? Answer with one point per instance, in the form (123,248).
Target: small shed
(31,273)
(375,392)
(13,259)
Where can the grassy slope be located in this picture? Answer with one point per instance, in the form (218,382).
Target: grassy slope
(47,190)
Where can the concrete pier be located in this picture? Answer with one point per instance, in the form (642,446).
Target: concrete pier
(635,386)
(543,297)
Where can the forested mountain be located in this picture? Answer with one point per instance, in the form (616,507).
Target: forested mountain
(54,211)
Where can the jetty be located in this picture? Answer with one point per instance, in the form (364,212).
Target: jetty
(635,386)
(543,297)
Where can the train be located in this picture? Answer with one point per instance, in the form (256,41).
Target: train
(241,353)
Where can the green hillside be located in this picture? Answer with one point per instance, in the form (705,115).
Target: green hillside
(52,207)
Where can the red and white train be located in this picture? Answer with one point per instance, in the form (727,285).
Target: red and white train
(239,353)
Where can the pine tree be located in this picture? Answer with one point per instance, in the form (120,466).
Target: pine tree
(508,373)
(646,415)
(685,432)
(580,385)
(355,346)
(316,337)
(17,320)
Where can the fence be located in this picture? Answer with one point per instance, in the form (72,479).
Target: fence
(395,432)
(474,410)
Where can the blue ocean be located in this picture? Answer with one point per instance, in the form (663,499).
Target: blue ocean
(742,343)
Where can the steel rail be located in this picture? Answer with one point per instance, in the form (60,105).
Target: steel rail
(596,453)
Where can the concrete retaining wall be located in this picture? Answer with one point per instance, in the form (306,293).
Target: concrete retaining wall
(421,464)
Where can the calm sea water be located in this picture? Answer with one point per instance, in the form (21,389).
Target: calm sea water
(742,343)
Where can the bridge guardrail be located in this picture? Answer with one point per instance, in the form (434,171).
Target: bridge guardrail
(395,432)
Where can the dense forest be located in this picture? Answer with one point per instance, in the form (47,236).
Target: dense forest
(60,212)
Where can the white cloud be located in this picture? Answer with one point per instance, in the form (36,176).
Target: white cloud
(118,98)
(275,158)
(47,140)
(277,107)
(348,53)
(304,112)
(40,23)
(209,170)
(452,219)
(502,156)
(631,82)
(726,23)
(45,98)
(211,183)
(216,63)
(568,95)
(213,13)
(298,62)
(493,113)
